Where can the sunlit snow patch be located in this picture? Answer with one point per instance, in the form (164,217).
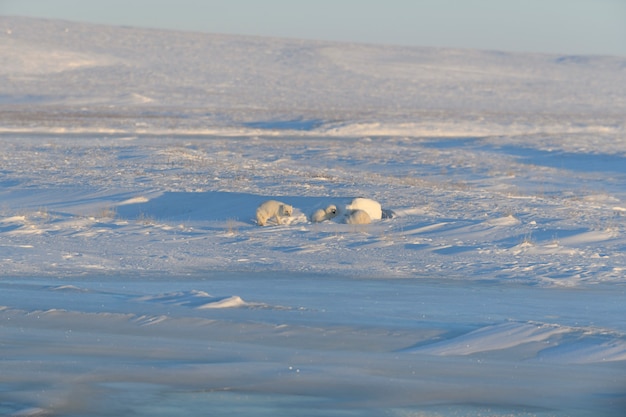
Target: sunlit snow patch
(134,200)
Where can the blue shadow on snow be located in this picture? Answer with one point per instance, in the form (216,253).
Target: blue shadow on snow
(303,125)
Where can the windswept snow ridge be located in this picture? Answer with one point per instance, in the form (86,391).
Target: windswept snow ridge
(200,300)
(544,337)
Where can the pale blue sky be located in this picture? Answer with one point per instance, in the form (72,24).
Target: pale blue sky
(553,26)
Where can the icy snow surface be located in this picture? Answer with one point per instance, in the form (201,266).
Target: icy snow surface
(134,280)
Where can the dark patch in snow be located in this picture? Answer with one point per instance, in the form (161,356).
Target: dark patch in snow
(450,143)
(26,99)
(304,125)
(8,183)
(573,59)
(389,214)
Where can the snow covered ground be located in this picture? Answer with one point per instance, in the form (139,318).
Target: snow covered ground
(134,280)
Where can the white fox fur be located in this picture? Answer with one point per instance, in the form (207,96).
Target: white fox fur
(371,207)
(358,217)
(272,209)
(320,215)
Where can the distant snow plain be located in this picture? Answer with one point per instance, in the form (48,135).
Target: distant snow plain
(134,280)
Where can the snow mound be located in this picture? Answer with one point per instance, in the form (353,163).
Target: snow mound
(503,221)
(199,300)
(196,299)
(586,352)
(229,302)
(496,337)
(540,341)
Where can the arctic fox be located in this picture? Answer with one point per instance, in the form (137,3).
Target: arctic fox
(320,215)
(358,217)
(272,209)
(371,207)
